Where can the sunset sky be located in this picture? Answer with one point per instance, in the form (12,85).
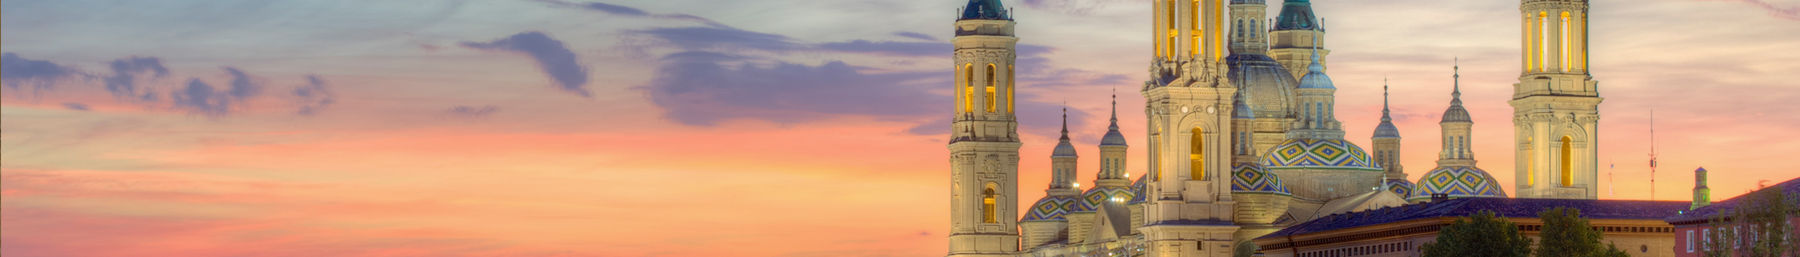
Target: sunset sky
(728,128)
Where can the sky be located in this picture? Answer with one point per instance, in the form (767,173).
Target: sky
(727,128)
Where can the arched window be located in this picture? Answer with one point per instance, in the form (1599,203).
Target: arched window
(1197,155)
(969,87)
(1568,164)
(987,204)
(1009,88)
(1172,33)
(1240,29)
(1194,26)
(990,87)
(1530,164)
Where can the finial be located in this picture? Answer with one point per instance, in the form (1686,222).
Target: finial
(1456,79)
(1384,99)
(1115,105)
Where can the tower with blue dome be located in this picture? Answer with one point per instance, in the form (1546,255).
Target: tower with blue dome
(1456,175)
(1386,140)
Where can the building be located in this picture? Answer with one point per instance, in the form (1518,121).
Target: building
(1692,227)
(1634,226)
(1241,135)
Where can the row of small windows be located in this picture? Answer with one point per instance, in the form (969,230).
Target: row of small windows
(1738,235)
(1610,229)
(1362,250)
(968,85)
(1169,48)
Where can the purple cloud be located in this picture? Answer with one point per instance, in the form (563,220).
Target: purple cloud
(314,96)
(241,84)
(200,98)
(472,111)
(123,82)
(15,70)
(552,56)
(915,35)
(75,106)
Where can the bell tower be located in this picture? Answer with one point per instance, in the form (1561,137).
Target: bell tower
(1555,104)
(1188,103)
(984,137)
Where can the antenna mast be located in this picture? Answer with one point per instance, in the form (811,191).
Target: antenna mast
(1652,154)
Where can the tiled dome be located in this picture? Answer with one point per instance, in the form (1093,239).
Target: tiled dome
(1137,190)
(1317,153)
(1457,182)
(1251,178)
(1092,199)
(1051,208)
(1400,187)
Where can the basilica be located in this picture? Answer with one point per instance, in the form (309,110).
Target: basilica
(1242,137)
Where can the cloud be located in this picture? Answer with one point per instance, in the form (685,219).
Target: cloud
(891,48)
(1069,6)
(473,111)
(552,56)
(1789,12)
(200,98)
(717,38)
(15,70)
(915,35)
(628,11)
(314,96)
(75,106)
(123,82)
(241,85)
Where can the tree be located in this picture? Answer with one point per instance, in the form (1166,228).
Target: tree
(1567,234)
(1479,235)
(1244,249)
(1759,226)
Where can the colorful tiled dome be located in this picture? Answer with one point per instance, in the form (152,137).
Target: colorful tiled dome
(1137,190)
(1092,199)
(1252,179)
(1051,208)
(1318,153)
(1400,187)
(1457,182)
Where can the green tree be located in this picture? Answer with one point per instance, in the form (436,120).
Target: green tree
(1244,249)
(1759,226)
(1479,235)
(1567,234)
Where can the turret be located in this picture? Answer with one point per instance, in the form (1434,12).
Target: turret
(1702,195)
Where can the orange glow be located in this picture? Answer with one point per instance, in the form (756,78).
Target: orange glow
(1568,165)
(1197,155)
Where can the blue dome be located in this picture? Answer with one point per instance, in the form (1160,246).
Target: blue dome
(1386,130)
(1315,75)
(985,10)
(1092,199)
(1457,182)
(1051,208)
(1063,149)
(1318,153)
(1113,137)
(1400,187)
(1250,178)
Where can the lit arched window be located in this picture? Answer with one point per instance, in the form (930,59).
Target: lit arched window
(990,87)
(969,87)
(1194,25)
(1197,155)
(1568,165)
(1530,163)
(987,204)
(1172,33)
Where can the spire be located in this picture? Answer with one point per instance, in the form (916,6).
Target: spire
(1063,147)
(1456,112)
(1315,72)
(1386,129)
(1113,137)
(1384,101)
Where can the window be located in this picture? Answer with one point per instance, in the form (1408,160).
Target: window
(1690,241)
(987,204)
(990,87)
(969,87)
(1706,242)
(1009,88)
(1565,41)
(1194,24)
(1197,155)
(1568,163)
(1543,41)
(1172,33)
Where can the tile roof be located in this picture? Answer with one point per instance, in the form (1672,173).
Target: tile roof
(1504,207)
(1792,187)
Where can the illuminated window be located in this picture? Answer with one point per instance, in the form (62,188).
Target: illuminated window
(1197,156)
(969,87)
(990,87)
(1543,41)
(987,204)
(1565,42)
(1172,33)
(1530,164)
(1194,24)
(1009,88)
(1568,165)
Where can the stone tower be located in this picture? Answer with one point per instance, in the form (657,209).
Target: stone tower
(1188,102)
(1456,125)
(1112,149)
(984,142)
(1386,140)
(1296,34)
(1555,104)
(1702,195)
(1247,33)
